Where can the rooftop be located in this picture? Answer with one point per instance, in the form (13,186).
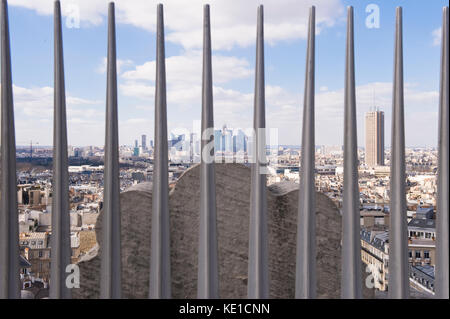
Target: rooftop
(422,223)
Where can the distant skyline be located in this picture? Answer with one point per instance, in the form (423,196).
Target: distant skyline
(233,40)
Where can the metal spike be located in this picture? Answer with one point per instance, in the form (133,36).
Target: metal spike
(398,235)
(258,278)
(305,282)
(442,223)
(60,237)
(160,245)
(9,224)
(111,284)
(351,242)
(208,269)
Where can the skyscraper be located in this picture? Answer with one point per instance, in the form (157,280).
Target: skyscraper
(218,140)
(239,141)
(375,138)
(144,142)
(228,140)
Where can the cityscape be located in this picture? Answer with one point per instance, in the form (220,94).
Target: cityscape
(136,166)
(328,186)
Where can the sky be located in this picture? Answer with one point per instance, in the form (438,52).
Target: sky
(233,25)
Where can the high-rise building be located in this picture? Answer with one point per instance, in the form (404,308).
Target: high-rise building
(239,143)
(227,140)
(144,142)
(217,141)
(136,143)
(375,138)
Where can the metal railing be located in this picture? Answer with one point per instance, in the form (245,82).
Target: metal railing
(208,281)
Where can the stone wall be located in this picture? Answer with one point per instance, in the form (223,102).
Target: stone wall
(233,194)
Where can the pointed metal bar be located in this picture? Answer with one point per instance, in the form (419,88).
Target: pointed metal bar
(111,279)
(60,237)
(442,223)
(351,242)
(160,245)
(208,269)
(398,235)
(9,224)
(258,278)
(305,281)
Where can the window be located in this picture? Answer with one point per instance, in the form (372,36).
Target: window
(426,254)
(418,254)
(40,253)
(410,253)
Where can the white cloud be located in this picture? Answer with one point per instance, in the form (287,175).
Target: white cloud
(233,22)
(34,113)
(187,68)
(184,79)
(283,108)
(38,102)
(437,36)
(34,116)
(284,111)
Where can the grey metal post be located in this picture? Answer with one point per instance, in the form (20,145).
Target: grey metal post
(111,284)
(258,281)
(442,247)
(160,245)
(351,242)
(9,224)
(305,281)
(398,234)
(60,237)
(208,269)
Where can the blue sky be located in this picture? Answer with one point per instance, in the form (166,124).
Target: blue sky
(233,38)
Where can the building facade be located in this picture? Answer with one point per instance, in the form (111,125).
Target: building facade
(375,255)
(374,138)
(35,247)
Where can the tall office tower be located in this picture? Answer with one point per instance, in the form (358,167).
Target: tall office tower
(375,138)
(144,142)
(136,143)
(217,140)
(239,141)
(228,141)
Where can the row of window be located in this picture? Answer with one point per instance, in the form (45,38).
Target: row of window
(33,243)
(426,235)
(418,254)
(39,254)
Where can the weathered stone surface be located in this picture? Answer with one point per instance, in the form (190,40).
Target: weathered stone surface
(233,194)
